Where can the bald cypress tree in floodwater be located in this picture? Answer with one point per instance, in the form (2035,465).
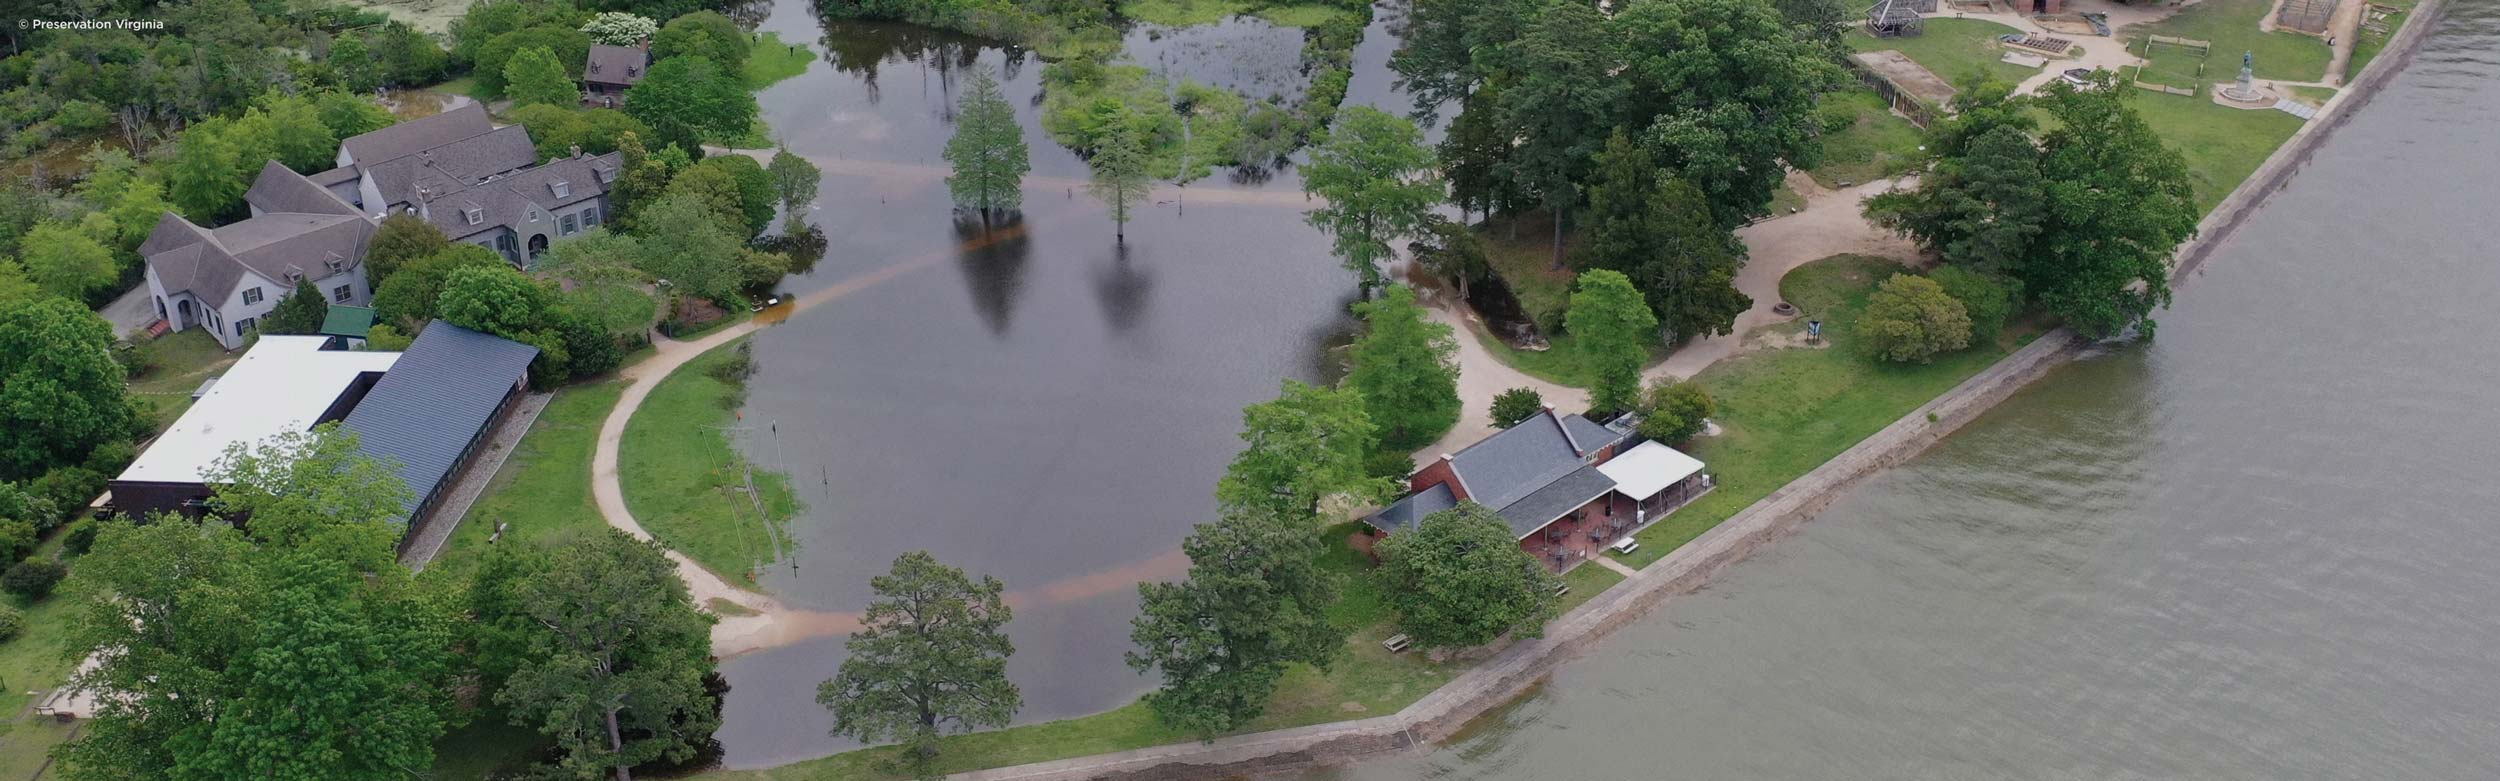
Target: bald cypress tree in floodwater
(987,151)
(1120,176)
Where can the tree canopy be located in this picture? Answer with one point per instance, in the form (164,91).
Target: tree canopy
(1375,175)
(685,100)
(987,150)
(1459,578)
(1119,176)
(1661,236)
(930,657)
(1612,327)
(300,312)
(1255,600)
(61,394)
(705,34)
(794,182)
(1516,404)
(1305,445)
(1405,367)
(1911,318)
(534,77)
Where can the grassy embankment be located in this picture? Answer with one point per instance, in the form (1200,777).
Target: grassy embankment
(2371,44)
(176,365)
(687,485)
(1872,144)
(543,490)
(1786,411)
(1366,680)
(772,59)
(1951,48)
(37,659)
(1189,13)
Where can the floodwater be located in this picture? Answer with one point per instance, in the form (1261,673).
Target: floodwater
(2261,546)
(1031,401)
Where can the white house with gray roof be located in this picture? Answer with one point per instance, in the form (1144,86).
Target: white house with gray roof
(479,183)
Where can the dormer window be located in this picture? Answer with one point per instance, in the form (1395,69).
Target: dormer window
(475,215)
(606,175)
(334,264)
(563,188)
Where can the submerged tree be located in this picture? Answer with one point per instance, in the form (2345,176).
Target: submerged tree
(1120,176)
(987,150)
(1376,175)
(930,657)
(794,182)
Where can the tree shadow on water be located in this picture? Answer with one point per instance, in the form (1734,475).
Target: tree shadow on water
(992,254)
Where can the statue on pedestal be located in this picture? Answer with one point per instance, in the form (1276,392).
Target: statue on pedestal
(2246,90)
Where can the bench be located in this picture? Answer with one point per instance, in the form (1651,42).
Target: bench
(1561,589)
(1397,643)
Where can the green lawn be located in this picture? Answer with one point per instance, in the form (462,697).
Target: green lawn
(1304,16)
(177,364)
(1183,13)
(2315,96)
(1952,48)
(2368,48)
(2222,145)
(543,489)
(2175,66)
(686,484)
(2232,27)
(1787,411)
(773,59)
(36,661)
(1876,145)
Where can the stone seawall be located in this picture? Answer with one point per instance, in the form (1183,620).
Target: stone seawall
(1523,665)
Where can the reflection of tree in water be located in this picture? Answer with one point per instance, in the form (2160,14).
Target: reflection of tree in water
(1326,360)
(860,48)
(992,255)
(803,249)
(1123,285)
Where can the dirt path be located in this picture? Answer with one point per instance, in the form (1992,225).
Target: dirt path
(1830,224)
(1481,376)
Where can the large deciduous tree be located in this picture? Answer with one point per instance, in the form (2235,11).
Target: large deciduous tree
(706,34)
(687,100)
(66,260)
(1376,176)
(619,28)
(1612,326)
(298,649)
(695,255)
(1405,367)
(1723,93)
(1255,600)
(1306,445)
(300,312)
(402,239)
(794,182)
(2119,204)
(987,150)
(61,394)
(930,657)
(1460,579)
(1661,235)
(1979,210)
(533,77)
(616,655)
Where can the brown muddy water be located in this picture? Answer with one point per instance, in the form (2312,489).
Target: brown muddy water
(1051,408)
(2261,546)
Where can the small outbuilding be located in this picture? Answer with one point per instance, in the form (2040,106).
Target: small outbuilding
(1895,18)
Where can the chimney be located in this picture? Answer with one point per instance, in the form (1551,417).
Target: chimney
(577,151)
(1448,457)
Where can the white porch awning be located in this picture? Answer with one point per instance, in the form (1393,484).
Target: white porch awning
(1649,469)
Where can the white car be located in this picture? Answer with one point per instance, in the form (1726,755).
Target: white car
(1627,545)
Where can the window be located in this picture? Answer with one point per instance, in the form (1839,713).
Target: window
(334,264)
(563,188)
(342,293)
(606,175)
(533,215)
(567,226)
(590,218)
(240,326)
(475,215)
(251,295)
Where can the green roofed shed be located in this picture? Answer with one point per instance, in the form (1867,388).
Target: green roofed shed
(352,322)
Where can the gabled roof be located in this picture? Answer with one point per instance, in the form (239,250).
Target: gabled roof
(412,136)
(278,189)
(506,200)
(282,243)
(1406,513)
(1516,461)
(616,65)
(447,168)
(448,384)
(1550,501)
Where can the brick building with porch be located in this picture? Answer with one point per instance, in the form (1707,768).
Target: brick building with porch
(1568,486)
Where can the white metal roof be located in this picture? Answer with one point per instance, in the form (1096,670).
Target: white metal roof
(281,384)
(1648,469)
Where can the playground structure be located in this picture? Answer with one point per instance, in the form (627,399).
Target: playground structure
(2308,16)
(1898,18)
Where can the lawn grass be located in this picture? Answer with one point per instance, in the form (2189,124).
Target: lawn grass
(2222,145)
(2370,44)
(1303,16)
(1951,48)
(1785,200)
(1586,582)
(2231,25)
(686,484)
(543,489)
(772,59)
(1877,144)
(2177,66)
(1183,13)
(1786,411)
(177,363)
(2315,96)
(35,662)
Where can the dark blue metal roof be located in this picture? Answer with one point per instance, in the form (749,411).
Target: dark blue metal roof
(446,386)
(1407,512)
(1554,499)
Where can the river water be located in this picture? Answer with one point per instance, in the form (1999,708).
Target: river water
(1032,402)
(2261,546)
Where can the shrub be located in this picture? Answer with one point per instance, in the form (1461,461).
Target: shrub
(81,537)
(1673,413)
(11,623)
(1910,318)
(1515,405)
(69,488)
(1988,300)
(33,579)
(17,538)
